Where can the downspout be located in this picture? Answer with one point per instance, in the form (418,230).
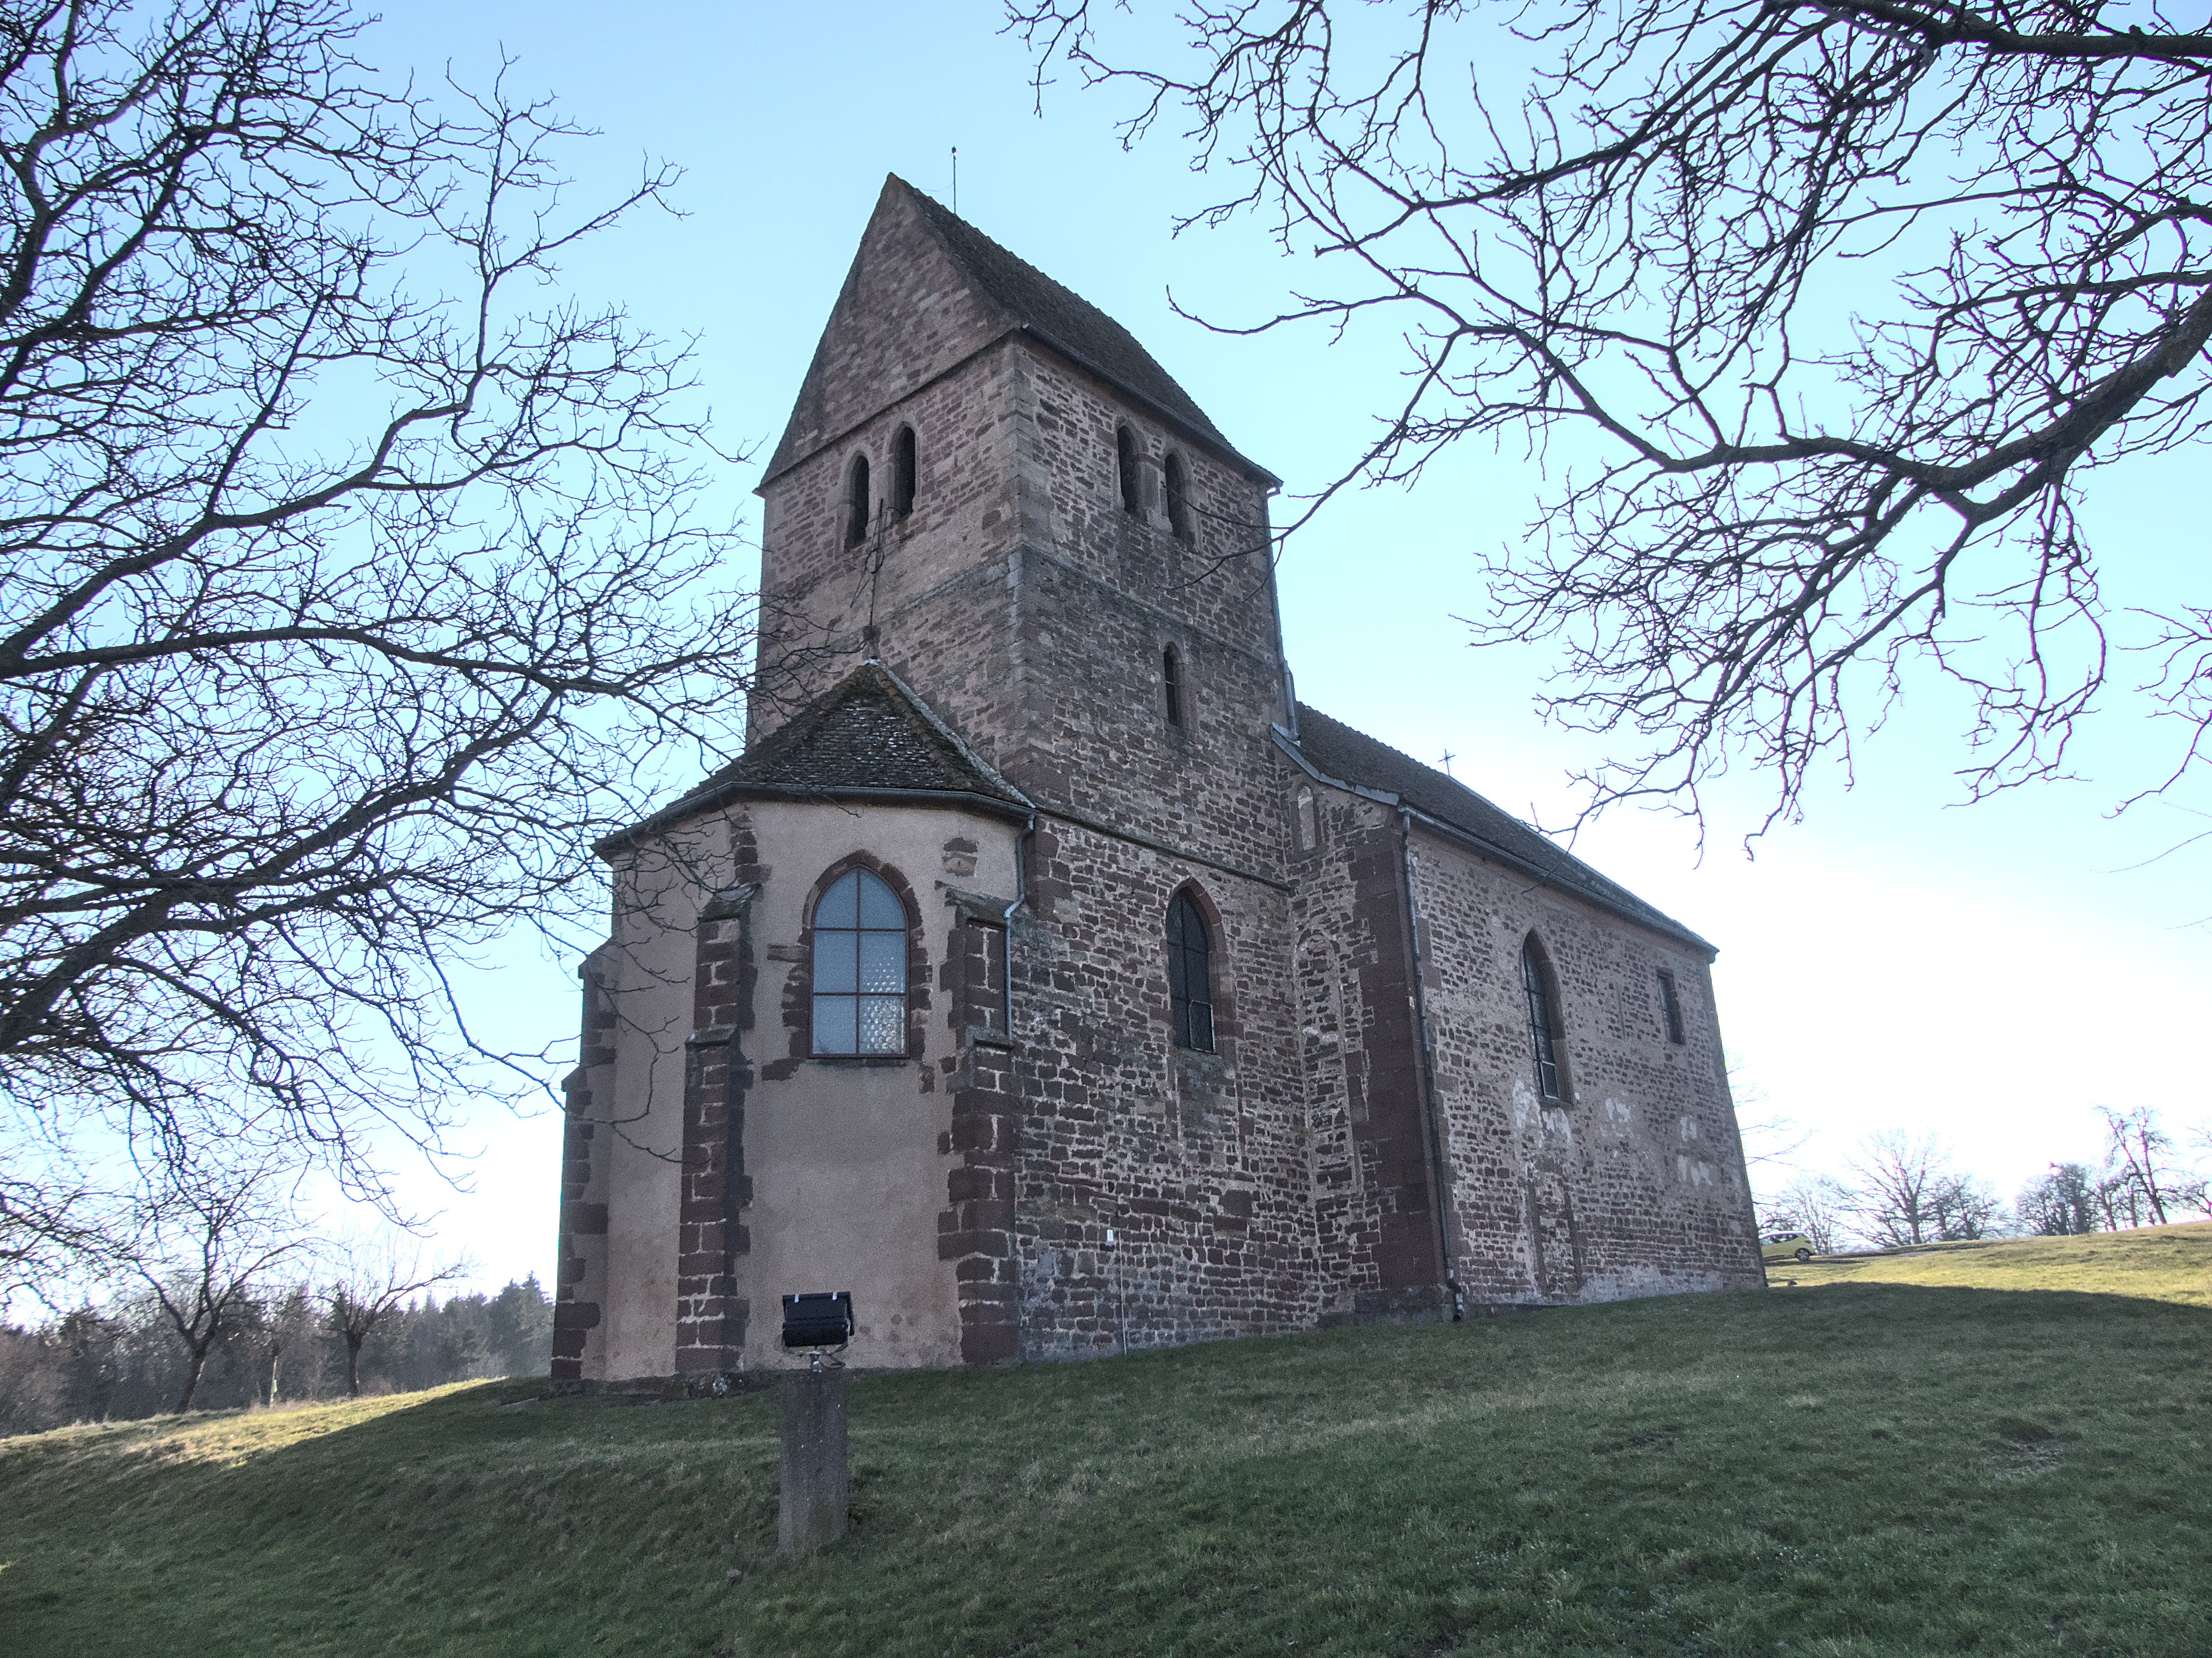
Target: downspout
(1437,1194)
(1006,989)
(1006,924)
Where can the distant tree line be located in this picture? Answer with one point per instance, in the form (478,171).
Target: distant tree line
(289,1342)
(1903,1191)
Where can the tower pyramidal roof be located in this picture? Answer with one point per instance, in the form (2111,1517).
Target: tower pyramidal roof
(927,291)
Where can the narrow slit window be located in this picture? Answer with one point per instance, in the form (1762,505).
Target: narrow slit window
(1190,975)
(859,968)
(1178,487)
(1309,820)
(1541,1028)
(1171,682)
(902,473)
(1125,459)
(856,501)
(1670,1005)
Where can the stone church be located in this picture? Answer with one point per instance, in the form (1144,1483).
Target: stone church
(1044,972)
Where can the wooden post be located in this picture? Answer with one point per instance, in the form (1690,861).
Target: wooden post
(816,1470)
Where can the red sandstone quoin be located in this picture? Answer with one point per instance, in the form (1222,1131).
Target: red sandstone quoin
(1162,1007)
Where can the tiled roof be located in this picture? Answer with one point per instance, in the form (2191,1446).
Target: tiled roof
(867,736)
(1064,318)
(1337,750)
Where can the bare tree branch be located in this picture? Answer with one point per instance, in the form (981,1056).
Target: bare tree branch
(1854,296)
(350,585)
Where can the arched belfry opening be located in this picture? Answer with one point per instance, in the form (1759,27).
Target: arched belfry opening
(903,481)
(1178,491)
(1125,460)
(856,501)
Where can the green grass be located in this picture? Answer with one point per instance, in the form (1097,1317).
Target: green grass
(2169,1262)
(1865,1469)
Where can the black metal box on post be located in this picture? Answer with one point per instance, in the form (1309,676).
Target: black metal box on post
(817,1468)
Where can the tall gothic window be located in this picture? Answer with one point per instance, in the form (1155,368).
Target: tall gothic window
(856,501)
(1670,1007)
(1178,485)
(859,968)
(902,473)
(1125,459)
(1190,975)
(1171,682)
(1543,1018)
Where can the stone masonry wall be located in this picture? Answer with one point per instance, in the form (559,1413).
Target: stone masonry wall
(1196,1163)
(1375,1213)
(1636,1186)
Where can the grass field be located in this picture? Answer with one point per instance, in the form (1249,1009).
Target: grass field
(1858,1469)
(2167,1263)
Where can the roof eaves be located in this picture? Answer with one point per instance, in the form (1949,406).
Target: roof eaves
(1017,811)
(1653,920)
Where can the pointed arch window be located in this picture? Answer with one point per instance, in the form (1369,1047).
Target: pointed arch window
(903,481)
(859,968)
(856,501)
(1178,489)
(1190,975)
(1543,1030)
(1171,683)
(1125,460)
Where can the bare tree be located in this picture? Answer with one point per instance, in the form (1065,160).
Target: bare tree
(1897,1179)
(381,1273)
(349,586)
(2144,1177)
(1850,295)
(206,1239)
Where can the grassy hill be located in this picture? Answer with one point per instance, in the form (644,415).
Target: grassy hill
(1858,1469)
(2166,1263)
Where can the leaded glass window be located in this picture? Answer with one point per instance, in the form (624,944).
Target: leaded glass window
(1190,975)
(1540,1027)
(859,968)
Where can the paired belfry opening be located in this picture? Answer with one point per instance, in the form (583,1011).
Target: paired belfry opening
(859,500)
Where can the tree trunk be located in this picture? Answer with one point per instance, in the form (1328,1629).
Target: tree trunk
(200,1351)
(353,1364)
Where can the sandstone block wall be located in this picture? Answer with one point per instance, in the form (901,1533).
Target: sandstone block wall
(1636,1185)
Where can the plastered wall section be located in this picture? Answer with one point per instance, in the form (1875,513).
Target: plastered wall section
(1635,1185)
(849,1162)
(845,1165)
(646,970)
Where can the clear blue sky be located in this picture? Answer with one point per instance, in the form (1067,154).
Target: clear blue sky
(1989,972)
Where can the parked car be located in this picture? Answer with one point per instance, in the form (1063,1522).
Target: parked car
(1785,1247)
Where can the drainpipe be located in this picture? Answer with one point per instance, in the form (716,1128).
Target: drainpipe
(1007,923)
(1438,1193)
(1007,987)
